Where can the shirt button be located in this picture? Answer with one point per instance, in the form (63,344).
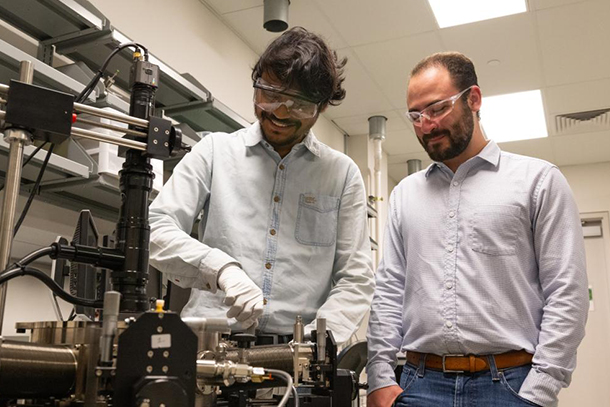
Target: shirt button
(264,301)
(451,214)
(448,324)
(276,198)
(450,249)
(455,183)
(272,231)
(282,166)
(449,285)
(267,266)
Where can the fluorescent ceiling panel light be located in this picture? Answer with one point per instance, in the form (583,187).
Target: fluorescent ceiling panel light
(457,12)
(514,116)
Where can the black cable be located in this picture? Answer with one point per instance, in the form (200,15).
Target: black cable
(34,190)
(49,282)
(27,160)
(93,83)
(36,254)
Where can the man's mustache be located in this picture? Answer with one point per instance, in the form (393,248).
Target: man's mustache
(284,121)
(436,133)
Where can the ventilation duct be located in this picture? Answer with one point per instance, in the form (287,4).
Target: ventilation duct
(413,166)
(573,122)
(276,15)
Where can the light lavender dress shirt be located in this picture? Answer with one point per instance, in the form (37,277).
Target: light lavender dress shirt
(486,260)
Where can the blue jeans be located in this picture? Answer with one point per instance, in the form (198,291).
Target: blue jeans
(430,388)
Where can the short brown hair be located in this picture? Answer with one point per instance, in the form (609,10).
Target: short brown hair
(460,68)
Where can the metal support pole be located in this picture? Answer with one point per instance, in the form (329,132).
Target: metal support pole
(17,139)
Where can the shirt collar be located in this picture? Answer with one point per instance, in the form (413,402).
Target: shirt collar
(254,135)
(489,153)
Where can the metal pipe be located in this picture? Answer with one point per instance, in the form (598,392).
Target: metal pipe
(119,117)
(112,127)
(31,370)
(92,135)
(413,166)
(17,139)
(112,303)
(321,338)
(377,126)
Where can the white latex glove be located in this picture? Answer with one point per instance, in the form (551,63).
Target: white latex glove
(244,297)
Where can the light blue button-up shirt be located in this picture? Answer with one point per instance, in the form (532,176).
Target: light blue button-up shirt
(296,225)
(486,260)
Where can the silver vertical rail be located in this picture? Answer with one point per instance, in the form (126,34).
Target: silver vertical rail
(17,139)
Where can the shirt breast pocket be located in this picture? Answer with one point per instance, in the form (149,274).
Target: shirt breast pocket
(495,229)
(317,220)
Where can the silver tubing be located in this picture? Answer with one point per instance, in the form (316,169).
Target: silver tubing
(321,338)
(17,139)
(92,135)
(3,89)
(112,303)
(119,117)
(112,127)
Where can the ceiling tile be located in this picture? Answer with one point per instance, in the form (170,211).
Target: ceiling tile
(574,41)
(224,6)
(538,148)
(577,97)
(357,125)
(509,42)
(401,142)
(249,24)
(365,22)
(362,94)
(390,62)
(542,4)
(582,148)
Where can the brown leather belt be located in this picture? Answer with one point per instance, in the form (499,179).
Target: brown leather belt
(469,363)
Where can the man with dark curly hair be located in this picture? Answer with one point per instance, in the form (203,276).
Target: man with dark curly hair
(283,229)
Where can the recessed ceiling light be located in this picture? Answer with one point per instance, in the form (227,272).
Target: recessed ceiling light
(449,13)
(514,116)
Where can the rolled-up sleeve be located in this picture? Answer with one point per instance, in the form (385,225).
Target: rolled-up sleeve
(186,261)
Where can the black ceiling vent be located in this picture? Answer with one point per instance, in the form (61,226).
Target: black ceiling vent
(591,119)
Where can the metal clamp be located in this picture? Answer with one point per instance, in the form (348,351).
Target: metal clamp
(445,370)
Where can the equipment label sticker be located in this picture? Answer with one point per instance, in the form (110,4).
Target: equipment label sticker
(161,341)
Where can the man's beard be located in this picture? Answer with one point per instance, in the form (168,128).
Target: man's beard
(459,137)
(281,141)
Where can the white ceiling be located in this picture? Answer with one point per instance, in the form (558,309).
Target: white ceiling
(559,46)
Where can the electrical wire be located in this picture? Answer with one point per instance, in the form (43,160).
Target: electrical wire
(34,190)
(288,379)
(27,160)
(36,254)
(93,83)
(21,270)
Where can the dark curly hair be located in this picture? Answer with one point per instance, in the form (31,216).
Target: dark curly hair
(299,57)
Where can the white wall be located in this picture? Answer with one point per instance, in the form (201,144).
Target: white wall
(591,186)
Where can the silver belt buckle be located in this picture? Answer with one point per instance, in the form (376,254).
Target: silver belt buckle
(445,370)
